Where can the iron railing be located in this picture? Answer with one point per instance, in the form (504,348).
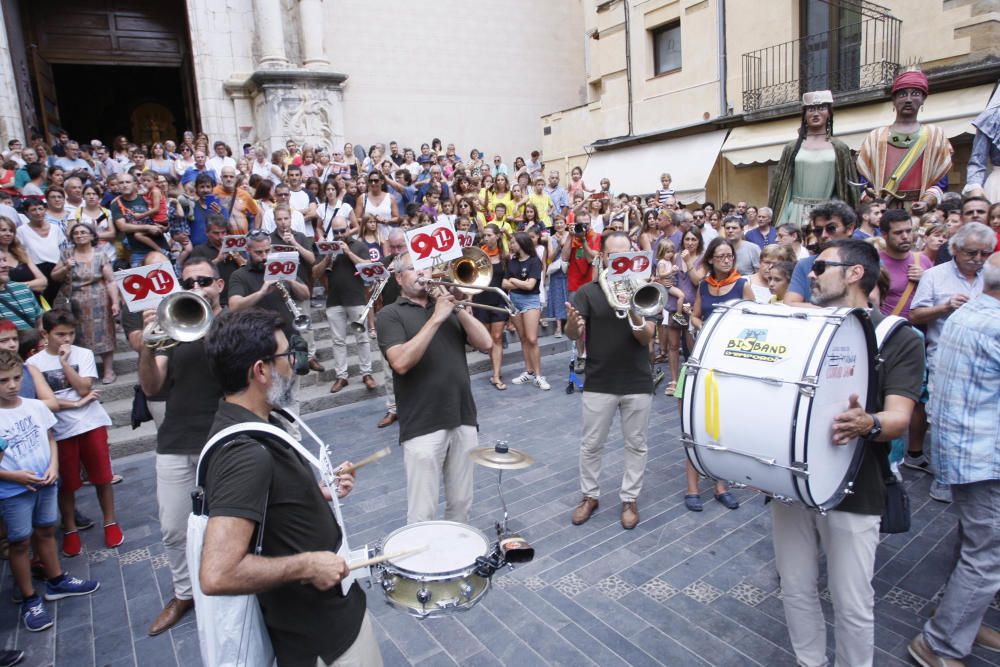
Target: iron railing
(862,53)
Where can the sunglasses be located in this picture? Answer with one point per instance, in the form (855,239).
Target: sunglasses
(821,265)
(831,229)
(258,234)
(200,281)
(339,232)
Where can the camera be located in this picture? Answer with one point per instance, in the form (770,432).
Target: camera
(580,228)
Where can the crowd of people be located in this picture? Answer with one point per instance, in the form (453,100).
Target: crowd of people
(901,244)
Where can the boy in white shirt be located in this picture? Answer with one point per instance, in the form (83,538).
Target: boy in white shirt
(29,471)
(81,426)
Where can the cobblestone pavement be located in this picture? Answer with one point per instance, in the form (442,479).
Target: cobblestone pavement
(680,589)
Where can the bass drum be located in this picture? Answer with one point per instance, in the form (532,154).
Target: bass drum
(761,390)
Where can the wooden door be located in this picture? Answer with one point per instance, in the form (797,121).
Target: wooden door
(48,104)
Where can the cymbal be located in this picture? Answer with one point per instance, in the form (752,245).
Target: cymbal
(502,458)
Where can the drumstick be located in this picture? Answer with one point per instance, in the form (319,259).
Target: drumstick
(371,458)
(394,556)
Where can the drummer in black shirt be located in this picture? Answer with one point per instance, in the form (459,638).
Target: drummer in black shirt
(843,275)
(296,578)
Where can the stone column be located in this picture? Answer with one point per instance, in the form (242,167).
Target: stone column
(311,19)
(268,21)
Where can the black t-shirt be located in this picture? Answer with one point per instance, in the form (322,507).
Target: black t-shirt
(192,400)
(278,245)
(391,290)
(227,267)
(901,373)
(346,288)
(304,623)
(133,322)
(616,362)
(246,280)
(523,270)
(436,393)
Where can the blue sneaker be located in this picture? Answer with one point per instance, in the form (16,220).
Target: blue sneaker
(69,587)
(36,616)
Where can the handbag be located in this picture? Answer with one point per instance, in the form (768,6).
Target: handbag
(140,407)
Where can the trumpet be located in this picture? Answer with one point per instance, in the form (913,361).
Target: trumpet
(472,273)
(181,317)
(300,320)
(633,297)
(359,325)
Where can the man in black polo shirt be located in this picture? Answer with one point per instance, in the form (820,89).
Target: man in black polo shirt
(618,379)
(283,239)
(345,299)
(193,394)
(843,275)
(257,483)
(424,338)
(225,262)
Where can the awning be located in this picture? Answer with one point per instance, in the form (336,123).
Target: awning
(953,111)
(637,169)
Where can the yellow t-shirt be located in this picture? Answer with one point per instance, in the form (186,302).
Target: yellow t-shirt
(543,203)
(506,199)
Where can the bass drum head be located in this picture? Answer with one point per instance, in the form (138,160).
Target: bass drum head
(450,548)
(847,368)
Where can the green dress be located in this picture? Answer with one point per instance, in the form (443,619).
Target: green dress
(813,181)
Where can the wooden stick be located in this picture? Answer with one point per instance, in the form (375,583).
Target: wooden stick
(384,557)
(371,458)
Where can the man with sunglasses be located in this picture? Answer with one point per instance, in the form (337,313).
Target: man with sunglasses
(832,221)
(843,275)
(192,397)
(707,232)
(259,483)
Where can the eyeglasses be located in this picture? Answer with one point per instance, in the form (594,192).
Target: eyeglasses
(821,265)
(725,258)
(201,281)
(972,254)
(830,229)
(282,194)
(274,357)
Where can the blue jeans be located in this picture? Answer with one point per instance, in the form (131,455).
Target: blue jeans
(976,577)
(526,301)
(29,510)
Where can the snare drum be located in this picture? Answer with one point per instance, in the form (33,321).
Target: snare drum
(439,579)
(762,388)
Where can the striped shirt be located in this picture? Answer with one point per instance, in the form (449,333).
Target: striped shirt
(964,409)
(16,297)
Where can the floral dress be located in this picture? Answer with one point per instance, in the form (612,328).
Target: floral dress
(87,296)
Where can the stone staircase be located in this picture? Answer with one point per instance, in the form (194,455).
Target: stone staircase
(314,392)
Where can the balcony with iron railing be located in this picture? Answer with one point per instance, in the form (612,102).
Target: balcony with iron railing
(861,53)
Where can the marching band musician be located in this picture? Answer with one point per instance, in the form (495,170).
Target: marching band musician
(423,337)
(844,273)
(296,577)
(193,395)
(619,379)
(284,239)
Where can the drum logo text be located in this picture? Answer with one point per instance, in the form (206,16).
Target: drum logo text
(753,344)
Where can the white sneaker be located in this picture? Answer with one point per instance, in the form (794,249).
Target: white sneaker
(524,378)
(541,383)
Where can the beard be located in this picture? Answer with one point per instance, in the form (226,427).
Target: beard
(826,298)
(280,393)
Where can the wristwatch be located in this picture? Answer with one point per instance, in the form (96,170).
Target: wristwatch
(876,428)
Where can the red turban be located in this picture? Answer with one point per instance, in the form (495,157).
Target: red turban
(911,79)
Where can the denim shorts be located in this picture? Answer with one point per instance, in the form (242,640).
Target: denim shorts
(526,301)
(31,509)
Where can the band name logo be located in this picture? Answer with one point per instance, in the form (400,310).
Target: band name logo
(753,344)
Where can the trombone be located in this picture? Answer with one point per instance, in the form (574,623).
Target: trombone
(471,273)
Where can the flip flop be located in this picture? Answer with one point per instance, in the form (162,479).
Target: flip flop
(671,388)
(498,383)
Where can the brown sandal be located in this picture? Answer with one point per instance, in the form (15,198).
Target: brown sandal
(498,383)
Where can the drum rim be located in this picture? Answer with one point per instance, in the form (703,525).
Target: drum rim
(392,568)
(854,468)
(440,611)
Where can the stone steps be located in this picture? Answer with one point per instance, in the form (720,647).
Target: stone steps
(314,394)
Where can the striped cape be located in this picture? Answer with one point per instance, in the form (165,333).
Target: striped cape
(936,163)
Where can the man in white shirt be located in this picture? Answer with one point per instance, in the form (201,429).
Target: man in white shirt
(219,160)
(282,194)
(300,199)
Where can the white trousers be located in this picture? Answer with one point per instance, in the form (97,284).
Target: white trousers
(339,317)
(308,335)
(598,412)
(175,480)
(849,542)
(426,457)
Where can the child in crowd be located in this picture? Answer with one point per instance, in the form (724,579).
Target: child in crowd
(664,190)
(576,183)
(542,202)
(666,275)
(778,279)
(447,213)
(80,428)
(156,202)
(432,199)
(29,470)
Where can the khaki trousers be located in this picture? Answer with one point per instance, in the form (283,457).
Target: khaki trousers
(339,318)
(363,652)
(175,480)
(425,458)
(849,542)
(598,412)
